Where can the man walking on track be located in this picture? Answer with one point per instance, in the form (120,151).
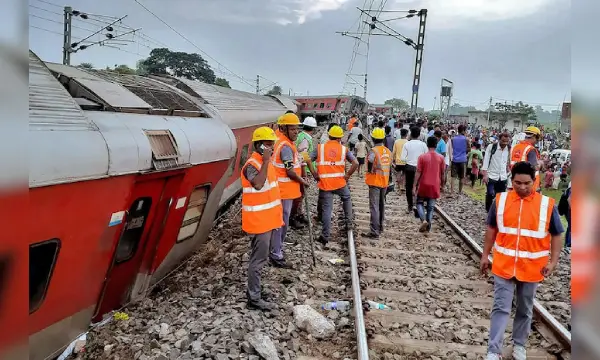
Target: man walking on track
(526,151)
(496,168)
(377,177)
(430,177)
(289,175)
(410,155)
(262,212)
(460,147)
(331,159)
(524,229)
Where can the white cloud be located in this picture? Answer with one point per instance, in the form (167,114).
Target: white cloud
(457,13)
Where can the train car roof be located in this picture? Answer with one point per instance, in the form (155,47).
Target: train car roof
(128,135)
(238,109)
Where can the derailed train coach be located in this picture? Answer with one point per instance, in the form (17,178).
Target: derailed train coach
(127,174)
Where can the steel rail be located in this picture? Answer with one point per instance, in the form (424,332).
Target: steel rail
(564,335)
(359,320)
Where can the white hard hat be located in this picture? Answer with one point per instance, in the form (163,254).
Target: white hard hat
(310,121)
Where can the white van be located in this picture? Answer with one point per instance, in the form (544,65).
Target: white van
(561,155)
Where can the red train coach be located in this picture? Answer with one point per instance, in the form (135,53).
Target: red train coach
(126,176)
(322,106)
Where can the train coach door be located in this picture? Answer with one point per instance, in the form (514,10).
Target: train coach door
(140,221)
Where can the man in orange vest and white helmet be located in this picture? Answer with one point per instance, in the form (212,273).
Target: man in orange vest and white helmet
(526,151)
(377,177)
(331,160)
(288,166)
(524,229)
(262,212)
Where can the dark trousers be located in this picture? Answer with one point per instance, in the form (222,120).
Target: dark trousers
(409,180)
(493,187)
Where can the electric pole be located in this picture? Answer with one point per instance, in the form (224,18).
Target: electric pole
(257,84)
(68,17)
(418,60)
(365,93)
(489,111)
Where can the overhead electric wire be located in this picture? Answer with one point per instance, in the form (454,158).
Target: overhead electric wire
(59,22)
(192,43)
(49,3)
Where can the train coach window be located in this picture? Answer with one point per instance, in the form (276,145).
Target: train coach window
(133,229)
(322,105)
(244,155)
(42,259)
(193,214)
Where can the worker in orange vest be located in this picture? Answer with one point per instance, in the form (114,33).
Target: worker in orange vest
(524,229)
(526,151)
(288,166)
(262,212)
(352,123)
(331,160)
(377,177)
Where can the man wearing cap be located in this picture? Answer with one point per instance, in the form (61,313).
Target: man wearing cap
(377,178)
(288,166)
(305,145)
(526,151)
(331,160)
(262,213)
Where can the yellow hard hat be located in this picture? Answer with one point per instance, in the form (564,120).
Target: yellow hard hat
(336,132)
(532,130)
(264,134)
(378,134)
(288,119)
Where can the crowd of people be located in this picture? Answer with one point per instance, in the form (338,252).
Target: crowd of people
(524,227)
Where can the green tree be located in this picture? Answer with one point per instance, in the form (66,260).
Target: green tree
(222,82)
(276,90)
(181,64)
(85,65)
(398,104)
(124,69)
(140,68)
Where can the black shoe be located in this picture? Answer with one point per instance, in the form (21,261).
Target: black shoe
(282,264)
(295,225)
(302,219)
(370,235)
(322,240)
(260,304)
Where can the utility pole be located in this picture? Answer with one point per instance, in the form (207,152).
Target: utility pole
(365,96)
(67,19)
(257,84)
(418,60)
(489,111)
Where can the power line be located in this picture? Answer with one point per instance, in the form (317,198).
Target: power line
(49,3)
(46,10)
(524,102)
(192,43)
(58,22)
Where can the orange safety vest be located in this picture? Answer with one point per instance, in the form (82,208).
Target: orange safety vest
(331,161)
(261,209)
(380,177)
(519,153)
(351,123)
(288,188)
(584,251)
(522,246)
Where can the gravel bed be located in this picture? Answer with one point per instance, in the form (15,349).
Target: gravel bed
(200,312)
(470,215)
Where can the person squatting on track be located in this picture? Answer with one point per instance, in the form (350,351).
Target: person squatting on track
(377,178)
(288,166)
(305,145)
(262,212)
(331,159)
(524,229)
(496,168)
(430,178)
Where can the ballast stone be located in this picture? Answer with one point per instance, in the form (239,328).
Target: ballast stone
(313,322)
(263,345)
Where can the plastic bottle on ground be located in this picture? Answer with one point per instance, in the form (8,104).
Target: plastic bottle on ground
(336,305)
(377,306)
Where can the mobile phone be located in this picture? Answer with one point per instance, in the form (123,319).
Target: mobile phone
(261,149)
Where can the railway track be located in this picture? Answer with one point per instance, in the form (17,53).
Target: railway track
(438,302)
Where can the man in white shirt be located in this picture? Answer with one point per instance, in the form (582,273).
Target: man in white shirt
(410,156)
(370,118)
(495,168)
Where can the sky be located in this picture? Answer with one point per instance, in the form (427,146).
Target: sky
(510,50)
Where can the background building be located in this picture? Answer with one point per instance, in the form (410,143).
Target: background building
(499,120)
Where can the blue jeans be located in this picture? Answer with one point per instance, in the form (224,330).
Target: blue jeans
(568,233)
(493,187)
(421,210)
